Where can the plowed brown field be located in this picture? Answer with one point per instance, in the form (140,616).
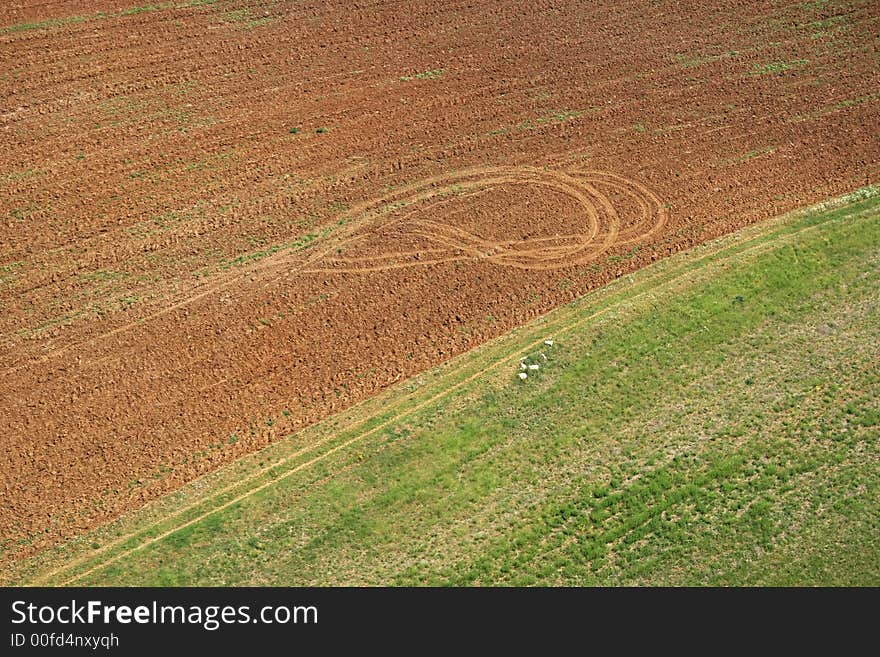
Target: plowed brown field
(224,220)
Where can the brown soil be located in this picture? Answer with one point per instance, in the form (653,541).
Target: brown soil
(183,279)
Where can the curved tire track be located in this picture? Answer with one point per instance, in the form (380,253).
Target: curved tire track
(590,189)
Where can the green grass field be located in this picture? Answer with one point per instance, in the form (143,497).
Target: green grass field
(712,419)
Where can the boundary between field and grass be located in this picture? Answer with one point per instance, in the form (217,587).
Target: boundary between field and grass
(226,487)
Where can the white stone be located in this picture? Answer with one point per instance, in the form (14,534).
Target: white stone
(523,376)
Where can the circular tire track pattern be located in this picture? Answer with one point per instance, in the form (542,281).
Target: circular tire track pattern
(603,227)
